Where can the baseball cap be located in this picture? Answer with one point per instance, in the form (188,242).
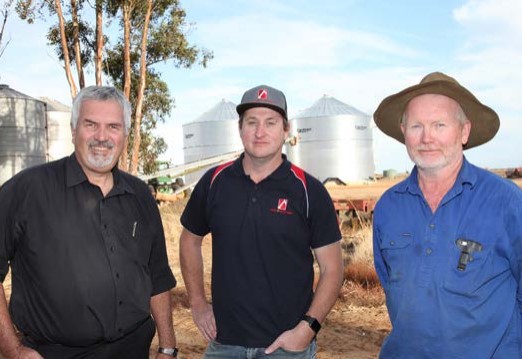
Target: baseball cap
(263,96)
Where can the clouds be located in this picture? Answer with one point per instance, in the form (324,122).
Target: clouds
(356,51)
(256,40)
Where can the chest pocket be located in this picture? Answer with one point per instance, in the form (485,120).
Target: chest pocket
(396,251)
(476,273)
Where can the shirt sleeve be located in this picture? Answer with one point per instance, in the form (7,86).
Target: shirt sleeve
(10,228)
(513,226)
(380,266)
(161,274)
(194,216)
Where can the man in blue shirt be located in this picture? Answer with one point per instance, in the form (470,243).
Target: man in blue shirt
(448,239)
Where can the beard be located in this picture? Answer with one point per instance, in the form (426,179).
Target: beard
(444,158)
(99,160)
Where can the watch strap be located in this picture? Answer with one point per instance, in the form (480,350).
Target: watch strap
(173,352)
(312,322)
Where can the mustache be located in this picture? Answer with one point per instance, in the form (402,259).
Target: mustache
(107,144)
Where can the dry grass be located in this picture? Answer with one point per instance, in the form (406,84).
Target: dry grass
(361,285)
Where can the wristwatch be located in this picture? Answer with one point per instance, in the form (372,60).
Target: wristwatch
(173,352)
(312,322)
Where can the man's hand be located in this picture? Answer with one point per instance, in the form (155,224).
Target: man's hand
(204,318)
(294,340)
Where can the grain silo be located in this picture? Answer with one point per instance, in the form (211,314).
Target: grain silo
(59,137)
(213,133)
(23,134)
(334,141)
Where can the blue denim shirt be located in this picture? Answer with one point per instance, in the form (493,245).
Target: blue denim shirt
(437,310)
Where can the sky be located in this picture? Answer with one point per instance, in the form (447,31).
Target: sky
(358,51)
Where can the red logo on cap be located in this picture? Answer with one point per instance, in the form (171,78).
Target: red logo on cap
(262,94)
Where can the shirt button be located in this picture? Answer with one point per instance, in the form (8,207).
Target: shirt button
(254,199)
(392,243)
(112,248)
(432,226)
(117,275)
(428,251)
(120,302)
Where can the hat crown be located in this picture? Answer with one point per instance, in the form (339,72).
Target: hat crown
(438,76)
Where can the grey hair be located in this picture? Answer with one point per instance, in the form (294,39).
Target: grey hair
(459,114)
(101,93)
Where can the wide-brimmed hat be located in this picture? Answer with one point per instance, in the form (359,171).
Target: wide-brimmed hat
(484,121)
(263,96)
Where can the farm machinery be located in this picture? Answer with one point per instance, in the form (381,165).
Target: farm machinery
(167,184)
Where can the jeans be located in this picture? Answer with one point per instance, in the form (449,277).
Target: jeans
(216,350)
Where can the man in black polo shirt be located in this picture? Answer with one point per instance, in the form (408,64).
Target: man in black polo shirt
(267,218)
(86,249)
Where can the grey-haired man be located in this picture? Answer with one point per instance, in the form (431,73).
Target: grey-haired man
(86,248)
(448,239)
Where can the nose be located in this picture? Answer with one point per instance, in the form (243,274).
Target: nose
(260,130)
(101,134)
(426,134)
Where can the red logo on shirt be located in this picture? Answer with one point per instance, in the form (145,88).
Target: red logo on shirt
(282,205)
(262,94)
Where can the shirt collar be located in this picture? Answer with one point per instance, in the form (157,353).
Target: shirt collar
(75,176)
(280,172)
(467,175)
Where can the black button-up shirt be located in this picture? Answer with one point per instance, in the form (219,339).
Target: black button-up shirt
(84,266)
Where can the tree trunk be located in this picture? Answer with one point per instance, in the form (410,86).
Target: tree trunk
(67,62)
(98,55)
(141,92)
(5,15)
(76,41)
(126,11)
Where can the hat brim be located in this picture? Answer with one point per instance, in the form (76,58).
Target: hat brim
(484,121)
(241,108)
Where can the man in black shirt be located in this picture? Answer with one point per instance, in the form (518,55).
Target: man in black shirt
(268,218)
(86,248)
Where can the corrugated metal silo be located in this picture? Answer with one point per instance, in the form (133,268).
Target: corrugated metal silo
(214,133)
(59,137)
(23,140)
(334,140)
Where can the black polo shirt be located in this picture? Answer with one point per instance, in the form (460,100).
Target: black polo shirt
(83,266)
(262,236)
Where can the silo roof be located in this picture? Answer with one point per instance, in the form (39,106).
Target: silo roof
(54,105)
(222,111)
(329,106)
(7,92)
